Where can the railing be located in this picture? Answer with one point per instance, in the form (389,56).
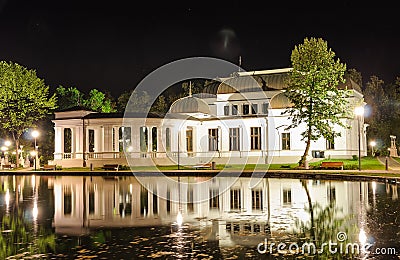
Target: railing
(173,154)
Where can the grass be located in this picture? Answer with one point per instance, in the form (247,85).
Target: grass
(367,163)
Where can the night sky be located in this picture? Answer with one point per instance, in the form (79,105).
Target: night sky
(113,45)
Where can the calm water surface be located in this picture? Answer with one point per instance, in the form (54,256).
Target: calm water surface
(78,217)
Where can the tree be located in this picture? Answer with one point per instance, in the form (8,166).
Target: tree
(312,88)
(24,99)
(68,97)
(355,75)
(97,101)
(139,102)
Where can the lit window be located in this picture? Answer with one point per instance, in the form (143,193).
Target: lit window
(285,141)
(234,143)
(168,139)
(213,139)
(255,136)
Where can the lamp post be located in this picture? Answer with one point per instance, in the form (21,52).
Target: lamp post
(372,143)
(35,134)
(359,111)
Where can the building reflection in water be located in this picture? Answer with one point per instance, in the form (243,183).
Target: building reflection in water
(226,211)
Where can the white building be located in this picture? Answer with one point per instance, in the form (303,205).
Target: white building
(236,120)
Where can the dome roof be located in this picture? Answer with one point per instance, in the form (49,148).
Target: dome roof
(280,101)
(190,105)
(247,83)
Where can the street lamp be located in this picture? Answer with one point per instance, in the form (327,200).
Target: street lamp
(359,111)
(372,143)
(35,134)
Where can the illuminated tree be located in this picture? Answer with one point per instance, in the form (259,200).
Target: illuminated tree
(24,99)
(317,102)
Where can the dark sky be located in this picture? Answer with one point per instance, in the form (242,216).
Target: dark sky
(112,45)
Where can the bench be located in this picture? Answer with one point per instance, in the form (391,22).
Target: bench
(7,166)
(202,166)
(111,167)
(326,165)
(48,167)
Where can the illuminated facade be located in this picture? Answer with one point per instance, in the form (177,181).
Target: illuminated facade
(235,120)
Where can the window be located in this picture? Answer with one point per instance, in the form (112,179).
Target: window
(246,109)
(256,198)
(287,196)
(67,140)
(226,110)
(189,141)
(213,139)
(254,109)
(168,139)
(125,137)
(144,139)
(91,140)
(214,199)
(330,145)
(234,109)
(255,136)
(265,107)
(285,141)
(235,199)
(154,139)
(234,143)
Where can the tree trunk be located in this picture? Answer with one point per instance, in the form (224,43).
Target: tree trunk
(16,152)
(308,143)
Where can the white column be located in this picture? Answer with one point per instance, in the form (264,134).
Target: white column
(58,142)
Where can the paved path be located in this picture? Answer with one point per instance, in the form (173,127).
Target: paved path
(392,163)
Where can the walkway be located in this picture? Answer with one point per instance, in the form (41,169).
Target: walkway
(392,163)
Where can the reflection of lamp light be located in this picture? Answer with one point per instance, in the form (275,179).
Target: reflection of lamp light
(35,211)
(359,111)
(362,237)
(179,218)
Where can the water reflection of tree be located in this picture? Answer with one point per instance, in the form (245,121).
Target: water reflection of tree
(20,236)
(324,226)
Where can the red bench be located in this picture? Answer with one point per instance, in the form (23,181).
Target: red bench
(330,165)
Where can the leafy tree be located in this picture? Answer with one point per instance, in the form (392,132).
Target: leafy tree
(97,101)
(312,87)
(24,99)
(139,102)
(355,76)
(160,106)
(68,97)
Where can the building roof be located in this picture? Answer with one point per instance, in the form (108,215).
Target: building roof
(280,101)
(75,108)
(249,82)
(189,105)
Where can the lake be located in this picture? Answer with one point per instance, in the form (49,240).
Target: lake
(128,217)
